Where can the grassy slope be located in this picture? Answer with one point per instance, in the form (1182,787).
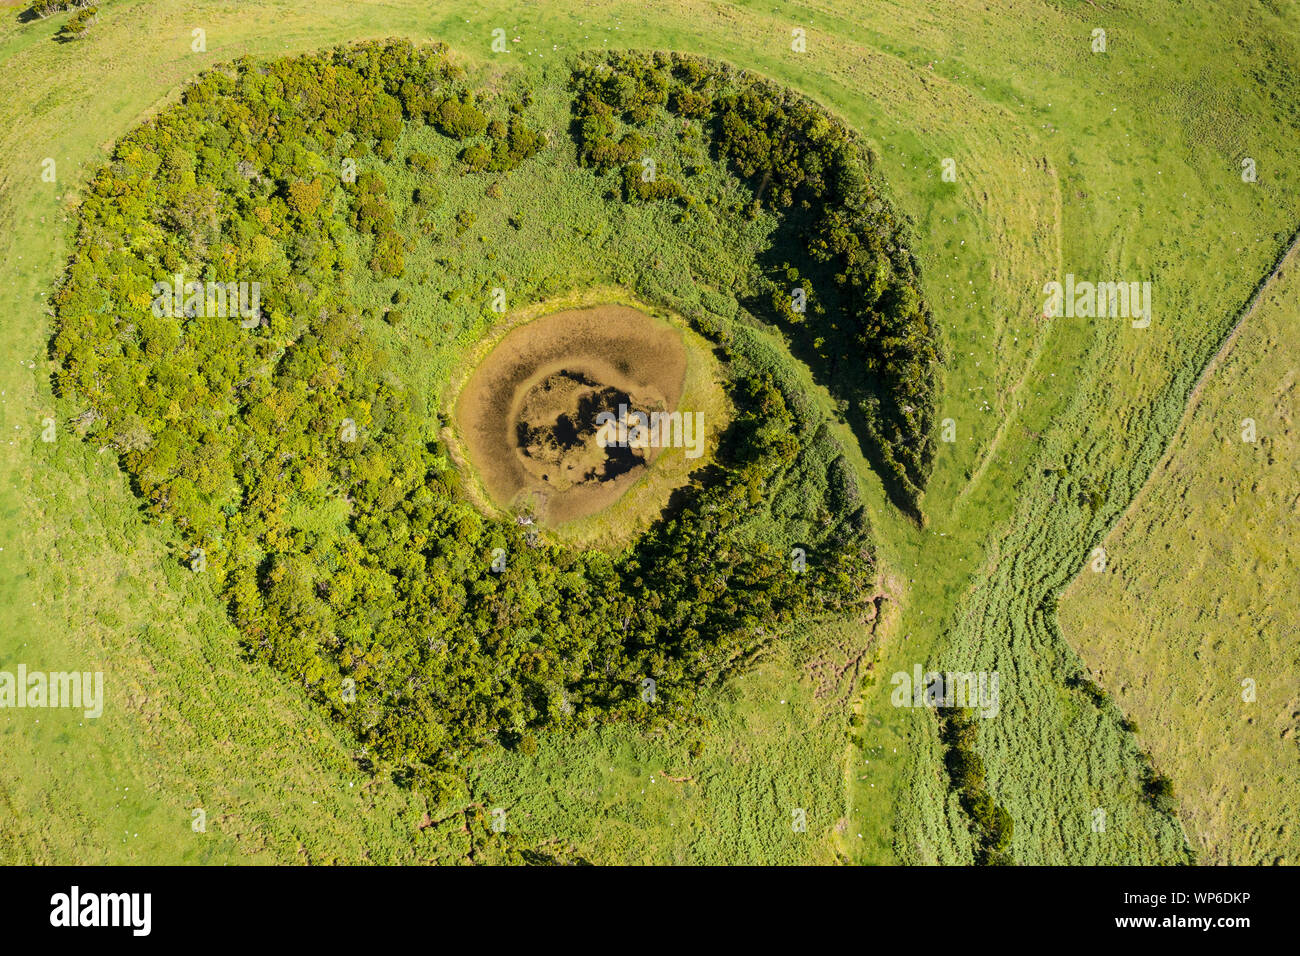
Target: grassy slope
(1102,393)
(1110,166)
(1198,596)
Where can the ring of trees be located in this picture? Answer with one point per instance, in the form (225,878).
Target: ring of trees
(205,329)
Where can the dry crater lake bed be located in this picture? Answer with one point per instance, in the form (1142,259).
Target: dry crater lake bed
(534,412)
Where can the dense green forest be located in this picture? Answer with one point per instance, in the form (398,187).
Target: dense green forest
(211,330)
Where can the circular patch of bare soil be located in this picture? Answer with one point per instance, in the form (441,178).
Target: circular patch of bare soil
(531,412)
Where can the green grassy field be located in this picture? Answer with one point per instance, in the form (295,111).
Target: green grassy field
(1122,165)
(1197,599)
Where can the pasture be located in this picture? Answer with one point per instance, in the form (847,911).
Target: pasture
(1125,164)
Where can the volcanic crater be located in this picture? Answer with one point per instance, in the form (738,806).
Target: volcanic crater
(530,413)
